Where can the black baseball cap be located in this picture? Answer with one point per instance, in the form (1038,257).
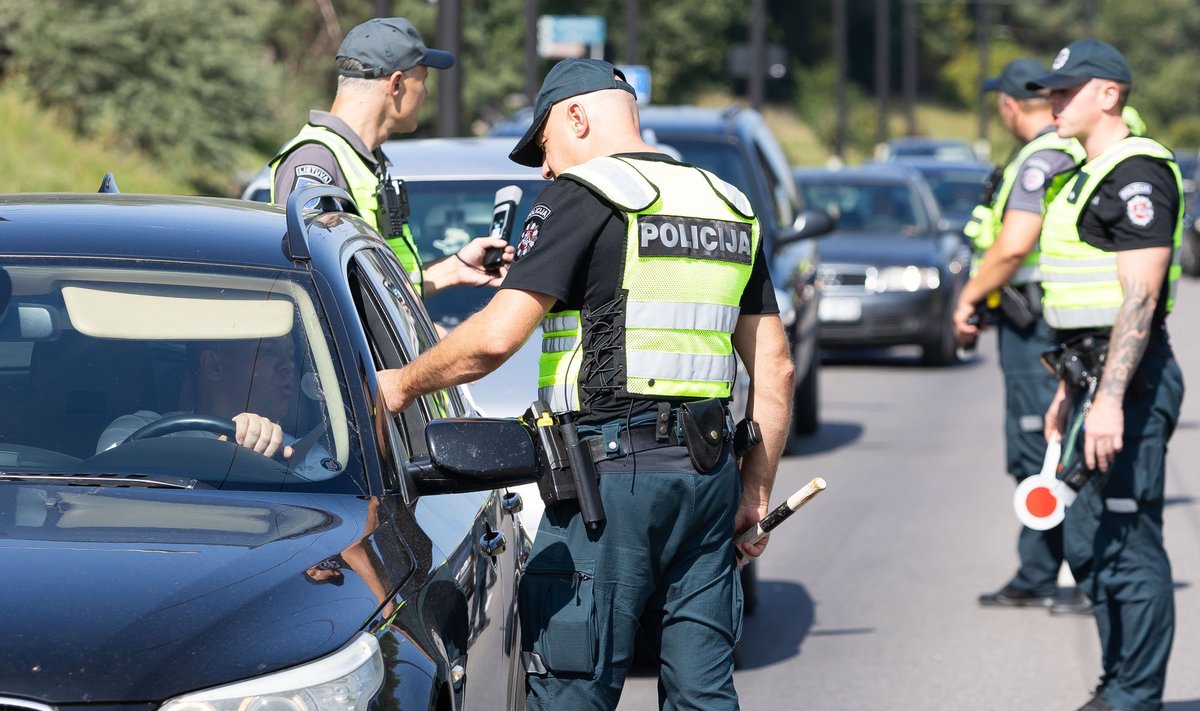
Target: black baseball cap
(1083,60)
(1014,76)
(570,77)
(389,44)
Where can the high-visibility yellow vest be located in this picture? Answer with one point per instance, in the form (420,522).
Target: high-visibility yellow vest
(362,184)
(986,219)
(1079,280)
(689,250)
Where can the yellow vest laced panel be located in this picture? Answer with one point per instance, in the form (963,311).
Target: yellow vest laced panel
(986,220)
(689,249)
(1079,280)
(361,183)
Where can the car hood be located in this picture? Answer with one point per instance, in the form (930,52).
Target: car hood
(137,595)
(880,249)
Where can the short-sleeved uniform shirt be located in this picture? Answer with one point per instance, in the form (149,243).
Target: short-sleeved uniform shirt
(1134,207)
(314,164)
(572,246)
(1034,175)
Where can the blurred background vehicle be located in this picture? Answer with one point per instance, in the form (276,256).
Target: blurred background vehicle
(956,185)
(925,147)
(1189,251)
(891,271)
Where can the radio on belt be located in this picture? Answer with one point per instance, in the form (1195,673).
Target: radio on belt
(504,215)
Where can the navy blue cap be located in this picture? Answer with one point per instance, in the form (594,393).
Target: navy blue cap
(1013,77)
(1083,60)
(389,44)
(570,77)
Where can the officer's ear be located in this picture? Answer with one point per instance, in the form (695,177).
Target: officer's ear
(395,83)
(577,118)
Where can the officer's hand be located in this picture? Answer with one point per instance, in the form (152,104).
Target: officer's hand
(470,262)
(1055,420)
(965,331)
(260,434)
(747,515)
(391,387)
(1103,430)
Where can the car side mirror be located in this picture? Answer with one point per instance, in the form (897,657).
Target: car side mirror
(475,454)
(809,224)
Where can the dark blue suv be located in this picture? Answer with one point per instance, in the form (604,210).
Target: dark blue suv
(153,563)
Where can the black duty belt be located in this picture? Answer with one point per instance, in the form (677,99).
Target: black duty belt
(638,439)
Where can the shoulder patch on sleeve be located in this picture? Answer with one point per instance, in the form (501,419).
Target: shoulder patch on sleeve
(1132,189)
(1033,179)
(532,228)
(1140,210)
(313,174)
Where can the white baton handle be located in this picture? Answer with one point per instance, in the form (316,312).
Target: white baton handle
(805,494)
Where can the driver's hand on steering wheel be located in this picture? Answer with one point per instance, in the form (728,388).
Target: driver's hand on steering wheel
(260,434)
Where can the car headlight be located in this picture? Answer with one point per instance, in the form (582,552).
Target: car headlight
(908,279)
(343,681)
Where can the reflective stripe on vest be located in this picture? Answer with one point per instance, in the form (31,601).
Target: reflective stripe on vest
(1080,281)
(689,249)
(988,219)
(362,184)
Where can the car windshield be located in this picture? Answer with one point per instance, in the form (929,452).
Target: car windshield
(445,216)
(868,207)
(956,190)
(125,371)
(941,150)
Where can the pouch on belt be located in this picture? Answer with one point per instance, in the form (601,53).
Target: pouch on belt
(704,432)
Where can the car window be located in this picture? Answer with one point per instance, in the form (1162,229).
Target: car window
(94,354)
(869,207)
(446,214)
(720,157)
(957,191)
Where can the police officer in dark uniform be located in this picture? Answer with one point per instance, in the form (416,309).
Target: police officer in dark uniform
(1005,233)
(645,274)
(1109,267)
(382,66)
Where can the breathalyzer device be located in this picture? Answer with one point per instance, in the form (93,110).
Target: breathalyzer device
(504,215)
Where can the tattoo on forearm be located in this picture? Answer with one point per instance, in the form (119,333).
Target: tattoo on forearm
(1130,334)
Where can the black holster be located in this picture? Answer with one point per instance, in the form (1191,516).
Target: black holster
(1021,306)
(704,432)
(1078,361)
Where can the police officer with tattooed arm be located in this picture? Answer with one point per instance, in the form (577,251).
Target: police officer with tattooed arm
(646,274)
(1108,265)
(382,66)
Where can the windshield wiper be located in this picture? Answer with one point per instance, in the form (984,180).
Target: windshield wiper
(108,479)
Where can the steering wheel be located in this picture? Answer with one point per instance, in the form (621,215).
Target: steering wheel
(185,423)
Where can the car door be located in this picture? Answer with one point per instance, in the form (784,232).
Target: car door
(468,607)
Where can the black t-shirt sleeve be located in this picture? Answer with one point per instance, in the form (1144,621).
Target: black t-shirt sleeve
(1138,204)
(556,238)
(759,296)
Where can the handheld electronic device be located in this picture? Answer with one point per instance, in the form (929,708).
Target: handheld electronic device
(504,216)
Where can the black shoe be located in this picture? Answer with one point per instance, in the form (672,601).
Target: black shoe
(1009,596)
(1098,703)
(1072,603)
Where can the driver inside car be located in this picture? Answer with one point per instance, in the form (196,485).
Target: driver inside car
(251,382)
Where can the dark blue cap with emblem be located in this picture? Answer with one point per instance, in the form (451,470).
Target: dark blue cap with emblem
(1013,77)
(1081,61)
(389,44)
(570,77)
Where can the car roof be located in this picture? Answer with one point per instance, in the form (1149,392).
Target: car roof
(930,164)
(154,227)
(867,172)
(451,158)
(661,118)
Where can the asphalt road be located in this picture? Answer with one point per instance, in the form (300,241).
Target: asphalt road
(868,594)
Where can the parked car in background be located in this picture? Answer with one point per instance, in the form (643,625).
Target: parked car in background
(374,567)
(956,185)
(891,272)
(1189,251)
(924,147)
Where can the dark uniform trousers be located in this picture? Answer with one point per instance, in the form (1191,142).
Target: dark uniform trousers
(1028,390)
(1118,557)
(664,555)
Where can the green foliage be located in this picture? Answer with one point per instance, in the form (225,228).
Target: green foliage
(960,75)
(814,88)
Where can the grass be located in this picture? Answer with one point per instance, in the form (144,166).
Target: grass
(39,152)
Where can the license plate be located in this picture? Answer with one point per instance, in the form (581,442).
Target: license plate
(839,308)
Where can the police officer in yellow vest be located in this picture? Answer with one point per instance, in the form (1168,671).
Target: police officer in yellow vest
(1109,266)
(382,66)
(646,274)
(1005,233)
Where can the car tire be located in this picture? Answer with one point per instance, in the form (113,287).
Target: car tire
(1189,253)
(749,573)
(807,401)
(942,348)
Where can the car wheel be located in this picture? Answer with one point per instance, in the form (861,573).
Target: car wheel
(749,573)
(1189,253)
(806,403)
(942,348)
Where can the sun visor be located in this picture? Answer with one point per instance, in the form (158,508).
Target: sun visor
(105,313)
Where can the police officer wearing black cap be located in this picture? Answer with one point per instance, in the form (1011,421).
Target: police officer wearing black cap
(382,67)
(1109,266)
(645,274)
(1005,229)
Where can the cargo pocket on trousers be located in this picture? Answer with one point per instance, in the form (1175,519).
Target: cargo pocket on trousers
(558,622)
